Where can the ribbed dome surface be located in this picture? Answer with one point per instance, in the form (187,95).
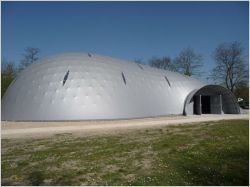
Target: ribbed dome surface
(79,86)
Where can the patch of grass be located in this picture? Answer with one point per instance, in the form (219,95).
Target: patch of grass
(36,177)
(210,153)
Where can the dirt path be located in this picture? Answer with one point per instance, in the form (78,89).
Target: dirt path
(43,129)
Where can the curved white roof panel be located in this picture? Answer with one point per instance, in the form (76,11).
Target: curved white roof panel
(79,86)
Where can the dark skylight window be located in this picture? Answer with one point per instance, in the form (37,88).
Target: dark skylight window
(124,79)
(65,77)
(167,81)
(140,66)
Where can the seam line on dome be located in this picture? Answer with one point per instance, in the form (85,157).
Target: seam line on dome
(167,81)
(124,79)
(65,77)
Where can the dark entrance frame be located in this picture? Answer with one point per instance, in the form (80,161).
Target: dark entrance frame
(211,99)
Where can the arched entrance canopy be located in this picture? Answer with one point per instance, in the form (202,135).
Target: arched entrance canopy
(211,99)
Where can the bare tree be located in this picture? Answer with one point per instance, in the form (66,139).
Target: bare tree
(230,69)
(162,63)
(30,56)
(188,62)
(8,68)
(8,73)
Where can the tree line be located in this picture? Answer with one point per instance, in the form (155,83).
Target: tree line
(230,70)
(9,70)
(187,62)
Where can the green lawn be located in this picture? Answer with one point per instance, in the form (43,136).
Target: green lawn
(211,153)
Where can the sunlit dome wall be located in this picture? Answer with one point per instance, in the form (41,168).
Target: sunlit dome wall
(77,86)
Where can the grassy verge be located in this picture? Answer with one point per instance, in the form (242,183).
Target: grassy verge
(212,153)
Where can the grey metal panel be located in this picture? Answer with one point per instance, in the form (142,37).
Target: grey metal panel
(94,89)
(215,101)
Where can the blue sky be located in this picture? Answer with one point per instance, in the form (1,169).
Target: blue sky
(126,30)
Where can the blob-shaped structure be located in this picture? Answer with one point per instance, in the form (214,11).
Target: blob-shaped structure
(77,86)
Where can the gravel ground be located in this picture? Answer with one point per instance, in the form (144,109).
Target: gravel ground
(86,128)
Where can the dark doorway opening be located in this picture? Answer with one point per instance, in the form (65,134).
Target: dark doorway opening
(202,104)
(205,104)
(196,107)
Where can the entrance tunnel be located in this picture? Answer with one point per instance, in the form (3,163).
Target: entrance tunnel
(211,99)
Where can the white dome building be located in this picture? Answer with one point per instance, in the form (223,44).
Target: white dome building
(79,86)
